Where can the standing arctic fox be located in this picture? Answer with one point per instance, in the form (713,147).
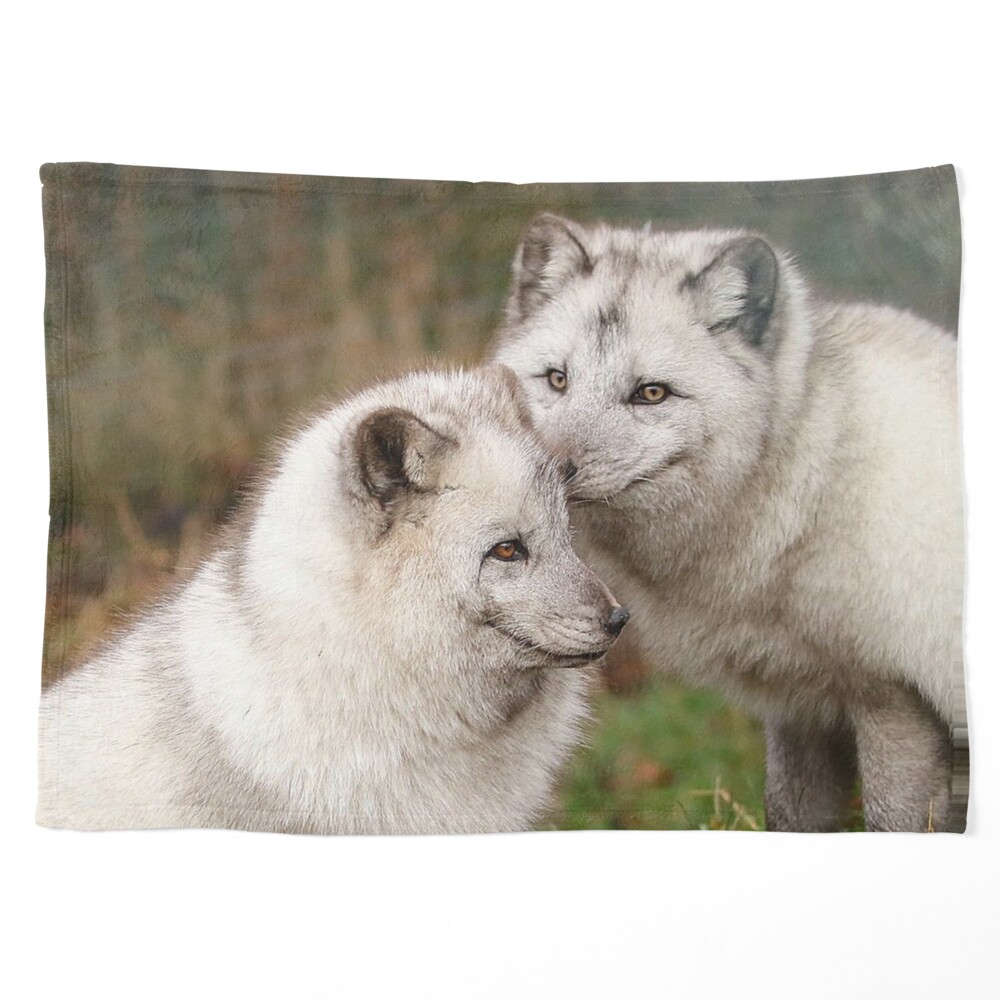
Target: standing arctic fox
(379,645)
(772,484)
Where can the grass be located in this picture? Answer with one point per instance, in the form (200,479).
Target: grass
(665,757)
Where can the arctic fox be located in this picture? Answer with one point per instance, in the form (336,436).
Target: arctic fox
(384,642)
(772,483)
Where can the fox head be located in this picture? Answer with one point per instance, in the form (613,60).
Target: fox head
(646,357)
(436,521)
(467,503)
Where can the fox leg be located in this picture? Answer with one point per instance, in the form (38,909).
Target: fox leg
(904,754)
(810,775)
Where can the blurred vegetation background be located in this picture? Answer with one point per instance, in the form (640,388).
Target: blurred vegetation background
(193,316)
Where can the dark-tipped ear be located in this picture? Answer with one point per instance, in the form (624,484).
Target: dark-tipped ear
(553,251)
(395,452)
(509,392)
(738,288)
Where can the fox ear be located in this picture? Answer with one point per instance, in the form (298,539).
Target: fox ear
(737,289)
(396,453)
(508,389)
(552,251)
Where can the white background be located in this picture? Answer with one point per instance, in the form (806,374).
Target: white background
(501,92)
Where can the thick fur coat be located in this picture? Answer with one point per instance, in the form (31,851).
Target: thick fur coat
(388,640)
(772,483)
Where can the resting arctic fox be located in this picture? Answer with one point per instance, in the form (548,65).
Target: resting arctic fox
(772,484)
(380,645)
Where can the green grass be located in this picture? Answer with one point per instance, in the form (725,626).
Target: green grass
(665,757)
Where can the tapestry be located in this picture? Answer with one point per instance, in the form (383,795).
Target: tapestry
(413,507)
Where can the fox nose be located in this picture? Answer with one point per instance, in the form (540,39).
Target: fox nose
(616,622)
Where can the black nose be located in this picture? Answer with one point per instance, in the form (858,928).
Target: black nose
(616,622)
(569,471)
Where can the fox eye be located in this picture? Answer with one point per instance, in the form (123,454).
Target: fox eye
(651,392)
(557,379)
(508,551)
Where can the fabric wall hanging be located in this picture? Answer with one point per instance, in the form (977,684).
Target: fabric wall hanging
(418,507)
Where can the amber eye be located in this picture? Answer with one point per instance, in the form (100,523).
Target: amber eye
(652,392)
(508,551)
(557,379)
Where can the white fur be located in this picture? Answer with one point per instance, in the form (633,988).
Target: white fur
(331,668)
(788,526)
